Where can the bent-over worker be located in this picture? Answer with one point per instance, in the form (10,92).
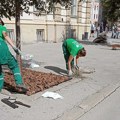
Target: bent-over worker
(72,48)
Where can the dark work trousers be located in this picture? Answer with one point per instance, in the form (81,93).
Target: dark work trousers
(66,54)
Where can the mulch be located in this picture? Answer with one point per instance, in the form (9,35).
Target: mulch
(34,80)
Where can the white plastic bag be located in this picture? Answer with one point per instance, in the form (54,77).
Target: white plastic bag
(52,95)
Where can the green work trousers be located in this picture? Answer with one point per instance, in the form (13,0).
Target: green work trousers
(6,58)
(66,54)
(13,66)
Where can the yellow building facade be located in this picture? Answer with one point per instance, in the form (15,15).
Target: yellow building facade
(54,27)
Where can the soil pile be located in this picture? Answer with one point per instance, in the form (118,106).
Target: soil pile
(34,80)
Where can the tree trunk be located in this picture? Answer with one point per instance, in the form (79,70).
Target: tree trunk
(18,34)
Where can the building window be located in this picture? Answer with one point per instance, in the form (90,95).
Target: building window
(74,8)
(95,8)
(70,33)
(94,16)
(11,34)
(73,33)
(40,35)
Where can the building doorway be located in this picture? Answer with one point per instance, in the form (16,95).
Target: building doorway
(40,35)
(73,33)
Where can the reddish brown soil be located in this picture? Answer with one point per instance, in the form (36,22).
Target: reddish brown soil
(34,80)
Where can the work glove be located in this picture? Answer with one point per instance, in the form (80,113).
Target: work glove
(70,73)
(77,67)
(18,52)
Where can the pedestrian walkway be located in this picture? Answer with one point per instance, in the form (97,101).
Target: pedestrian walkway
(102,59)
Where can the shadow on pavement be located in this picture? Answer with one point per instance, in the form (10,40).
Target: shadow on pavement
(117,49)
(56,69)
(87,42)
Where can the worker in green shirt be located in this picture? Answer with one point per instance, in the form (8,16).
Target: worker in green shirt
(72,48)
(6,58)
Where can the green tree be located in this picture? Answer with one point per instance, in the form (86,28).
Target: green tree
(7,7)
(111,10)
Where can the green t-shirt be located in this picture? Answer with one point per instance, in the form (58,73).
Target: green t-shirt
(2,28)
(73,46)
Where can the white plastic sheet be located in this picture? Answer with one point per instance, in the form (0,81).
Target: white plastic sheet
(33,65)
(52,95)
(27,61)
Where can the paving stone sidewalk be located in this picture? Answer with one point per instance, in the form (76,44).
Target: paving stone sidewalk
(49,56)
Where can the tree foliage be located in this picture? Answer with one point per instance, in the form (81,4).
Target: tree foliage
(7,7)
(111,9)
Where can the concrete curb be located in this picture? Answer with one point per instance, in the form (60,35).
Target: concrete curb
(93,100)
(39,94)
(72,114)
(88,103)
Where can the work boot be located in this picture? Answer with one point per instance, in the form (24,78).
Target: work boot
(22,87)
